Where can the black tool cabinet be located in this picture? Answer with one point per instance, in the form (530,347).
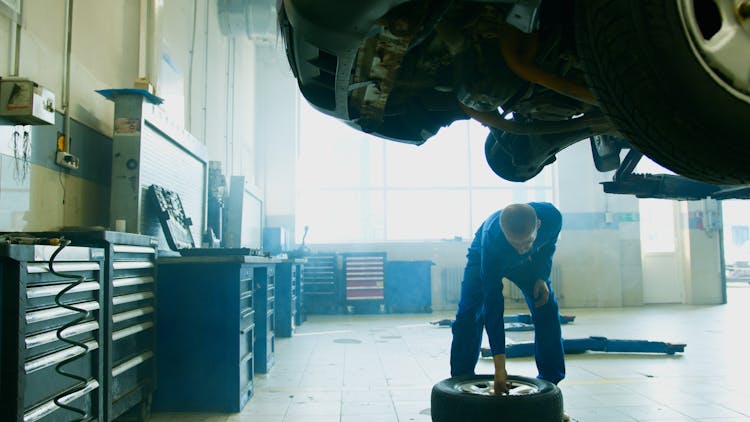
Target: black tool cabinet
(322,293)
(30,321)
(209,329)
(130,274)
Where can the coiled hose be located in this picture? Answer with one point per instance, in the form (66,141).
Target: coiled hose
(82,315)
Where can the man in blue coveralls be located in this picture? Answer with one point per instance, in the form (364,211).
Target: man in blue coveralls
(516,243)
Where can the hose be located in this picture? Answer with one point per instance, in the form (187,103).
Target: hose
(83,314)
(519,49)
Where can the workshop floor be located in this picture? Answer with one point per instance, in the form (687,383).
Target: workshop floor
(368,368)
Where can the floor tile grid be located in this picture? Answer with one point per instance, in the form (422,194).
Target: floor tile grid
(381,368)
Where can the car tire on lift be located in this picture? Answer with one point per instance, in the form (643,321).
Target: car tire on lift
(470,398)
(652,80)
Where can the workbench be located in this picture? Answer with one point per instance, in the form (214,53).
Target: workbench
(214,330)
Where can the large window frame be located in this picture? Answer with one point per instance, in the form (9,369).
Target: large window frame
(355,187)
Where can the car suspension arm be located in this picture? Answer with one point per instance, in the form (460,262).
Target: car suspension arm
(519,50)
(495,120)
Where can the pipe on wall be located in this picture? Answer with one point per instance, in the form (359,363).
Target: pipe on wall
(66,72)
(15,41)
(148,40)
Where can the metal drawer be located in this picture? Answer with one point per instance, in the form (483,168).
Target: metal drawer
(246,379)
(246,301)
(43,384)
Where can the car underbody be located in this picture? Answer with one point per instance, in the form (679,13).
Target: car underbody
(536,73)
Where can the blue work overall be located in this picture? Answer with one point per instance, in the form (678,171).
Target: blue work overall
(481,304)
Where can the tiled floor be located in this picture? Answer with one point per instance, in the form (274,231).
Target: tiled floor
(368,368)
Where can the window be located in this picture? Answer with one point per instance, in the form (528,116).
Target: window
(354,187)
(657,225)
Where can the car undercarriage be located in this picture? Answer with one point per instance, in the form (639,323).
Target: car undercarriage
(541,75)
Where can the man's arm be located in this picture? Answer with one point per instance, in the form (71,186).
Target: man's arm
(494,302)
(494,308)
(501,375)
(541,261)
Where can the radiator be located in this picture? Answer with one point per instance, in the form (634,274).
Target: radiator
(514,294)
(451,283)
(555,278)
(452,276)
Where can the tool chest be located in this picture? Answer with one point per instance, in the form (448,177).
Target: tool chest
(211,321)
(364,278)
(37,304)
(130,275)
(321,284)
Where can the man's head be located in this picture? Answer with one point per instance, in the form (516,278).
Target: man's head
(519,224)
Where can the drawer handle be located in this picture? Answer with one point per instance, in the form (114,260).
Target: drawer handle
(246,357)
(246,312)
(246,329)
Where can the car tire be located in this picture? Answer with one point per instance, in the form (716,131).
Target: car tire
(652,80)
(451,402)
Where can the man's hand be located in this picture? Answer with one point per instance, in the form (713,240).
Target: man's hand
(541,293)
(501,382)
(501,375)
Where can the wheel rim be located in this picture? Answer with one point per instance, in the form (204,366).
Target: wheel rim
(487,387)
(719,34)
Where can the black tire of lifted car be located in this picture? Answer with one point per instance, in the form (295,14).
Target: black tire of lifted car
(448,404)
(641,68)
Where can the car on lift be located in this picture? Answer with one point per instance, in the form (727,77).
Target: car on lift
(669,79)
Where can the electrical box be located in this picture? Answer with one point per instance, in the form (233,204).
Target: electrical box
(26,102)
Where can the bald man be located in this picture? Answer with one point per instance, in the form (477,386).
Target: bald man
(516,243)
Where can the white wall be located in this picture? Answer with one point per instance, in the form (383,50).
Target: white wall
(216,74)
(600,254)
(97,61)
(700,244)
(276,130)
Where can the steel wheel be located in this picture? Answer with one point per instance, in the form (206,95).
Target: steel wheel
(487,388)
(719,34)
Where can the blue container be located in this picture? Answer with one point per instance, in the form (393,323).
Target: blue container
(408,286)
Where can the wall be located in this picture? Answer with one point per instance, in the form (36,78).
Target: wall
(36,195)
(211,80)
(599,251)
(97,61)
(700,243)
(276,130)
